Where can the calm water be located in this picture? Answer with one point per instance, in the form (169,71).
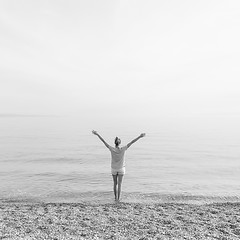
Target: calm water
(46,159)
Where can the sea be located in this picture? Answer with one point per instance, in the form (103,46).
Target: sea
(51,159)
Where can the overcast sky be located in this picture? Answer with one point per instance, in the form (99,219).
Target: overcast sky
(121,60)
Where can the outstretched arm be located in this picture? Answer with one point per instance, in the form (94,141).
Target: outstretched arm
(134,140)
(95,133)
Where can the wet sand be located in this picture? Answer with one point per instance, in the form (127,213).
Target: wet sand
(119,221)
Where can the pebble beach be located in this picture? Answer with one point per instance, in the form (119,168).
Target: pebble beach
(119,221)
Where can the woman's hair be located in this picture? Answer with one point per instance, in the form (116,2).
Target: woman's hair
(117,141)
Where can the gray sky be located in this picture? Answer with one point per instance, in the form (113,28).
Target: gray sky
(121,60)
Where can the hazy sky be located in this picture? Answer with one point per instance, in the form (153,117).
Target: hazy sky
(121,60)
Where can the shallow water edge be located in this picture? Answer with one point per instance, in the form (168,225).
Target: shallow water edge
(96,198)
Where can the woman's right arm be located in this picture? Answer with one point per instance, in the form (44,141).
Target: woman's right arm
(95,133)
(134,140)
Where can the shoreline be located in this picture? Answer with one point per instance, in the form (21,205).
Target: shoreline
(97,198)
(120,220)
(126,197)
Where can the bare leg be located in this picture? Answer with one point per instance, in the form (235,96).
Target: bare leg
(120,178)
(115,185)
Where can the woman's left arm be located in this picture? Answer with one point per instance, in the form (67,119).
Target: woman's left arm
(95,133)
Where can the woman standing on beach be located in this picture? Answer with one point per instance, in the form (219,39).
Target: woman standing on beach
(118,162)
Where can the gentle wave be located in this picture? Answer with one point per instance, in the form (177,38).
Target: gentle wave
(56,160)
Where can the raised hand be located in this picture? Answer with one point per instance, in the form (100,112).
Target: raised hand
(142,134)
(94,132)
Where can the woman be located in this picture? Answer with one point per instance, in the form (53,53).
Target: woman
(118,162)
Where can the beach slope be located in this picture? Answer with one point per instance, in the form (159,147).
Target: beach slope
(119,221)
